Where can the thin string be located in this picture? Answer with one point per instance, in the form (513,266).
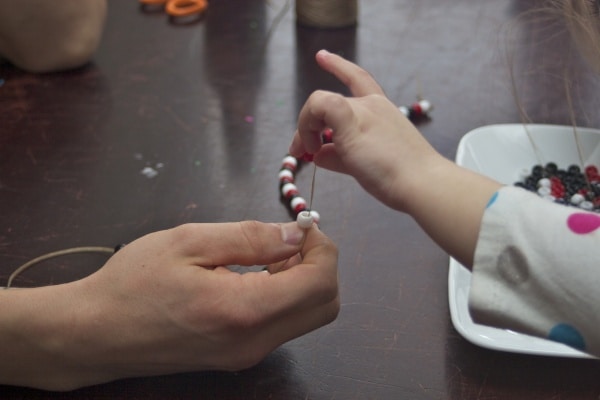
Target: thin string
(575,131)
(74,250)
(523,116)
(312,187)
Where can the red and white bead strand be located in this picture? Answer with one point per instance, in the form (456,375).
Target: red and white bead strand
(289,191)
(290,165)
(417,110)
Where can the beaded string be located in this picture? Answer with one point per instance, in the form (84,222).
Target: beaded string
(290,194)
(305,215)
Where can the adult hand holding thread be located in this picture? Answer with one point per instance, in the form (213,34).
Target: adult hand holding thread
(166,303)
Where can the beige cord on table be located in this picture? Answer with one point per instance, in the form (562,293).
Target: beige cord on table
(74,250)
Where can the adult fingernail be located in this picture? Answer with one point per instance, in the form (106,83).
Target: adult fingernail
(291,233)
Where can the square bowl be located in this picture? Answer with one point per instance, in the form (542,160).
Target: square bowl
(502,152)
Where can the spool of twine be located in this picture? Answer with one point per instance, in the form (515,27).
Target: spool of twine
(327,13)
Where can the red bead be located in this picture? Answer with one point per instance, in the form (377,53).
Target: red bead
(307,157)
(591,171)
(299,208)
(557,187)
(327,135)
(416,109)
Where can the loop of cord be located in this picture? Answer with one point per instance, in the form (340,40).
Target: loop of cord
(74,250)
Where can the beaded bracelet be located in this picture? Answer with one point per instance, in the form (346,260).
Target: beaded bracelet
(290,165)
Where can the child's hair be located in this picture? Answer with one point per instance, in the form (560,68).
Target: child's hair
(582,18)
(574,25)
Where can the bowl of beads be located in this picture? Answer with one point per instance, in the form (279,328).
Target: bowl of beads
(572,185)
(560,164)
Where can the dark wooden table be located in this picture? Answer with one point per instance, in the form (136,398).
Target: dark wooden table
(211,106)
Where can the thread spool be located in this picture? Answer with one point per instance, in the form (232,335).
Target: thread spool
(327,13)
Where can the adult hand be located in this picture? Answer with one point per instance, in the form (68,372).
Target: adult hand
(166,303)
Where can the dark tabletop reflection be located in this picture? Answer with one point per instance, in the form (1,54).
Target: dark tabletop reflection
(211,106)
(309,77)
(235,39)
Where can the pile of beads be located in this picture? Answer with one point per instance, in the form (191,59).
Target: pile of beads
(570,186)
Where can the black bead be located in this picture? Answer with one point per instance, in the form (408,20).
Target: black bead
(551,168)
(574,169)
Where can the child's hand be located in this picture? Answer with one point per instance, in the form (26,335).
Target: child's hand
(377,145)
(372,141)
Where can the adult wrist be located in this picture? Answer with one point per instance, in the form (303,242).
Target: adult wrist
(39,338)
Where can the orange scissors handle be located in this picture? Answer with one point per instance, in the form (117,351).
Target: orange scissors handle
(182,8)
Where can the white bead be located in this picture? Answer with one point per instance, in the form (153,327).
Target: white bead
(149,172)
(544,182)
(577,199)
(304,219)
(587,205)
(288,187)
(549,197)
(425,106)
(290,160)
(544,191)
(403,110)
(296,201)
(316,216)
(284,173)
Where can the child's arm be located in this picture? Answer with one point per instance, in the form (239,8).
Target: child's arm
(387,155)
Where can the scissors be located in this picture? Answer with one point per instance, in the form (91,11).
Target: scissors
(179,8)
